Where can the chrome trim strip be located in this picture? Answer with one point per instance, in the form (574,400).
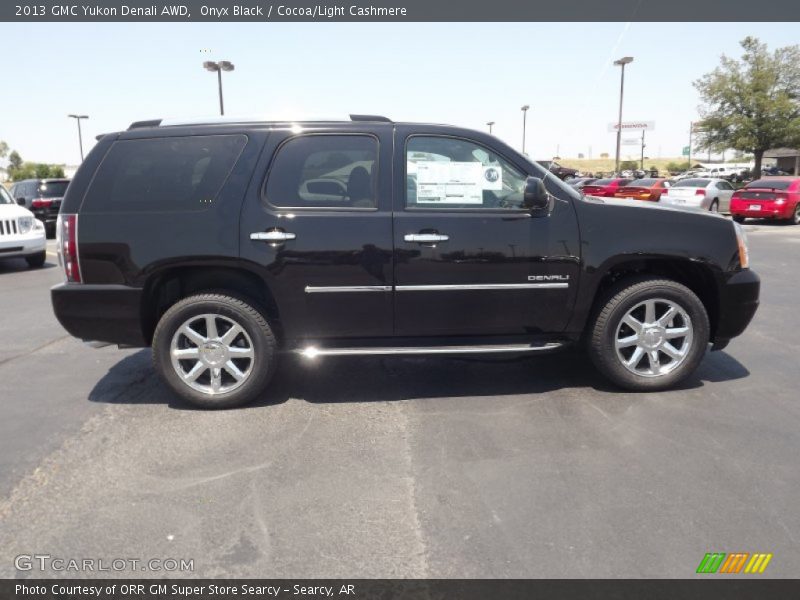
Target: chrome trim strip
(480,286)
(313,352)
(322,289)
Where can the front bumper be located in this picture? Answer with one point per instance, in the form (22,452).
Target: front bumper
(102,313)
(738,302)
(23,245)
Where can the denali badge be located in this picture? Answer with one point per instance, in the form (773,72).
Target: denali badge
(548,277)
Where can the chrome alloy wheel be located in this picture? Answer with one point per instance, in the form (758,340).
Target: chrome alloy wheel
(654,337)
(212,354)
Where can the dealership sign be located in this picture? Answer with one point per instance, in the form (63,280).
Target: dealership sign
(632,126)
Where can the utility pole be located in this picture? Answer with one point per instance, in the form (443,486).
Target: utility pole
(80,136)
(524,110)
(643,146)
(621,63)
(490,123)
(218,68)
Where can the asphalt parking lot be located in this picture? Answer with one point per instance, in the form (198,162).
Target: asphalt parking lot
(404,467)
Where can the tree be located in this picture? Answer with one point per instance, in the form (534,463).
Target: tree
(3,149)
(14,160)
(628,165)
(752,104)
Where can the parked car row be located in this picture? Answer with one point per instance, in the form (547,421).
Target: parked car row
(775,197)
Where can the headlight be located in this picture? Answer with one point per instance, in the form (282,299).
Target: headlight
(741,240)
(25,224)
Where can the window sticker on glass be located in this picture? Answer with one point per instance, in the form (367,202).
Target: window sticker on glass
(449,182)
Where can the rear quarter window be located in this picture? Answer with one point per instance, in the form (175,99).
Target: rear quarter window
(163,174)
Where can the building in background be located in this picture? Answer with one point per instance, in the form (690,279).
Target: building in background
(786,159)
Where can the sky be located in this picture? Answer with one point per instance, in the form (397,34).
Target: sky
(459,73)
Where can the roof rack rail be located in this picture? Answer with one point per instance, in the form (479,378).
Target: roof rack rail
(141,124)
(370,118)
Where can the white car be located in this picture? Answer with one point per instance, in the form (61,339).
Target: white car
(21,234)
(701,192)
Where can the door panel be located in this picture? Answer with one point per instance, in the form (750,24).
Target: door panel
(333,276)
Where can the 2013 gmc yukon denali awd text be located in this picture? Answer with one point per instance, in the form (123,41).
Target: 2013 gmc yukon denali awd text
(225,244)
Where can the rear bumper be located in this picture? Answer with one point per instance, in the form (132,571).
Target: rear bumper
(45,215)
(738,304)
(102,313)
(767,210)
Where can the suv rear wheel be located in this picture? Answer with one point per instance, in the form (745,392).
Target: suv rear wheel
(649,334)
(214,350)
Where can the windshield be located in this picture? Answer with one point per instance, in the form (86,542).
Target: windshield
(52,189)
(771,184)
(603,182)
(5,197)
(693,183)
(643,182)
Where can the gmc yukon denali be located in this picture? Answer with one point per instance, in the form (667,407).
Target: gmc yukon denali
(225,244)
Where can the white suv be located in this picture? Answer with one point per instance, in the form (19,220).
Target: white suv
(21,234)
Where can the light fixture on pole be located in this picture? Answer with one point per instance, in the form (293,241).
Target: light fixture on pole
(219,67)
(490,123)
(80,136)
(621,63)
(524,110)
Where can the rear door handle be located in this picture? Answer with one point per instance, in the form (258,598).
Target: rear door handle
(426,238)
(275,235)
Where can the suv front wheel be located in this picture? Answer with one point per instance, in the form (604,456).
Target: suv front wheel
(214,350)
(649,334)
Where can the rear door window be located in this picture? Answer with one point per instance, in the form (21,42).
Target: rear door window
(324,171)
(163,174)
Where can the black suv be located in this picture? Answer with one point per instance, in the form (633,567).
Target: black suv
(556,169)
(223,245)
(42,197)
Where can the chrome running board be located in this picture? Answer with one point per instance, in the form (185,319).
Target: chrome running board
(313,351)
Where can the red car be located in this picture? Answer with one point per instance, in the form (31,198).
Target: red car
(768,198)
(644,189)
(605,187)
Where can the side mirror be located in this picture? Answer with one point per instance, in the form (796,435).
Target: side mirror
(535,197)
(21,201)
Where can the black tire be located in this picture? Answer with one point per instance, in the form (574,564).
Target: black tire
(36,261)
(714,206)
(616,303)
(50,231)
(795,218)
(738,219)
(243,313)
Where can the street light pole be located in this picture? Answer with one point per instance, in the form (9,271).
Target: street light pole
(621,62)
(524,110)
(490,123)
(219,67)
(80,136)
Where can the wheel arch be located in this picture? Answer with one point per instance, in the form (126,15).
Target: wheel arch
(172,283)
(696,275)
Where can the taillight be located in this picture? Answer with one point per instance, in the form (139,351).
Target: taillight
(41,202)
(699,192)
(665,191)
(67,244)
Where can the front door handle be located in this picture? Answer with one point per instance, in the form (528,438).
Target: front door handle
(426,238)
(274,235)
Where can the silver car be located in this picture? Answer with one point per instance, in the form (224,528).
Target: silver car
(700,192)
